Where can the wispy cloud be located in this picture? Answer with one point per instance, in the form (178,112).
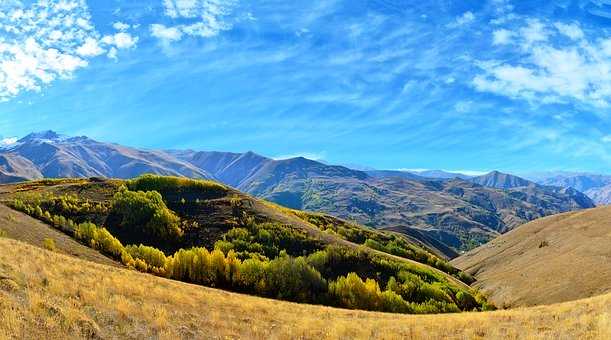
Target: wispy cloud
(462,20)
(552,70)
(197,18)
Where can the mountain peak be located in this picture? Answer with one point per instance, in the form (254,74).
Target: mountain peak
(497,179)
(42,135)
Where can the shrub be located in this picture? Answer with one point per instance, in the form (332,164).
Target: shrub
(465,301)
(151,256)
(102,240)
(352,292)
(294,279)
(49,244)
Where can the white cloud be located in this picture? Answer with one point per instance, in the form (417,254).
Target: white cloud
(121,26)
(606,139)
(548,71)
(90,48)
(166,34)
(534,32)
(502,37)
(572,31)
(45,40)
(112,53)
(199,18)
(120,40)
(465,19)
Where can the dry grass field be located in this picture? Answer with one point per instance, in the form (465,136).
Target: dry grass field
(50,295)
(554,259)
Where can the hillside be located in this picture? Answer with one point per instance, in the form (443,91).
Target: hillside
(19,226)
(455,213)
(554,259)
(203,232)
(39,299)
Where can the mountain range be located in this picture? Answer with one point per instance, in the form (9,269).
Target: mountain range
(459,212)
(596,186)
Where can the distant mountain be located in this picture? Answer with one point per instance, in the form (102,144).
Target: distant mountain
(440,174)
(500,180)
(597,187)
(394,173)
(448,214)
(600,195)
(581,182)
(47,154)
(418,175)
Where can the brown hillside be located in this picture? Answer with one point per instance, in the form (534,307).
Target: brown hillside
(554,259)
(52,296)
(19,226)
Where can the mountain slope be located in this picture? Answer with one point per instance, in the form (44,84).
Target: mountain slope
(600,195)
(597,187)
(581,182)
(500,180)
(456,213)
(558,258)
(118,303)
(48,154)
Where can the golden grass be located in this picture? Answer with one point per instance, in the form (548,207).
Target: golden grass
(53,296)
(554,259)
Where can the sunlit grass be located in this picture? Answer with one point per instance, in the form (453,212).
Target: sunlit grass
(53,296)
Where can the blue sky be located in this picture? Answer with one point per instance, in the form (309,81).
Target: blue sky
(457,85)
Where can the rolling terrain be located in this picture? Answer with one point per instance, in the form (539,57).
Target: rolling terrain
(451,212)
(203,232)
(554,259)
(19,226)
(53,296)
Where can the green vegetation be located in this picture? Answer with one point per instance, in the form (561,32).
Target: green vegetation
(266,240)
(3,233)
(49,244)
(169,186)
(253,255)
(143,217)
(383,241)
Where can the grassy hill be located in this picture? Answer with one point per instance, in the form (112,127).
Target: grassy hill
(554,259)
(203,232)
(48,295)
